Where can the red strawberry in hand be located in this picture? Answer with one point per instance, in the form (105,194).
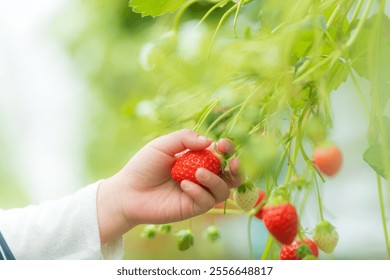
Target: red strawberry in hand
(299,250)
(280,217)
(185,166)
(328,159)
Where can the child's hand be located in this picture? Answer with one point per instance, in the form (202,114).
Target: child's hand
(143,192)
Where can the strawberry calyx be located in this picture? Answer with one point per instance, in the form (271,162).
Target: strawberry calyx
(302,248)
(303,251)
(224,158)
(278,196)
(244,187)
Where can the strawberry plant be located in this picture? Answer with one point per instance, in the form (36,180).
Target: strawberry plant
(262,74)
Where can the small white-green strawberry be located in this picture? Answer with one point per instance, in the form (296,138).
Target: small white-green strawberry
(212,233)
(245,196)
(149,231)
(184,239)
(326,237)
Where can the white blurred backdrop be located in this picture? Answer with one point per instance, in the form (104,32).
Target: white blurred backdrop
(41,101)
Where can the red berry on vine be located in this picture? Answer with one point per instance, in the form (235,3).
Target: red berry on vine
(281,221)
(299,250)
(328,159)
(260,197)
(185,166)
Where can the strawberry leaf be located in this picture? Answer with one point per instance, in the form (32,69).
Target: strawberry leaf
(155,8)
(360,57)
(374,157)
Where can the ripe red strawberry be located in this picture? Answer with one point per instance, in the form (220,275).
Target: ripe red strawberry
(299,250)
(260,197)
(326,237)
(281,220)
(185,167)
(245,196)
(328,159)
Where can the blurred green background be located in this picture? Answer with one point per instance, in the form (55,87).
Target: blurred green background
(77,101)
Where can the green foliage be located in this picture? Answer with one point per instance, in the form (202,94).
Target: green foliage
(258,72)
(155,7)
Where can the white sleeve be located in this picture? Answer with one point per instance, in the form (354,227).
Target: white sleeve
(61,229)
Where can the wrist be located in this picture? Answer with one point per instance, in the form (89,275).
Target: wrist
(112,221)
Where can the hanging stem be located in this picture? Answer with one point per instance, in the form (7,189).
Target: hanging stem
(352,39)
(267,249)
(251,255)
(319,199)
(223,18)
(357,10)
(383,215)
(358,89)
(220,4)
(180,14)
(240,3)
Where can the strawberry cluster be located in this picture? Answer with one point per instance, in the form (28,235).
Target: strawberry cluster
(278,214)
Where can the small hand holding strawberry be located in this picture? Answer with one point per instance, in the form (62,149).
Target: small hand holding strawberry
(143,192)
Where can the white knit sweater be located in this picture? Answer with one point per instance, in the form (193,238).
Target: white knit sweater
(60,229)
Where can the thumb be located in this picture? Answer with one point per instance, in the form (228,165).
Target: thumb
(179,141)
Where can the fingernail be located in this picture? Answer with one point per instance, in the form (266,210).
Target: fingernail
(203,174)
(203,139)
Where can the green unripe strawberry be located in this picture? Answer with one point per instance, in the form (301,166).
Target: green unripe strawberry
(245,196)
(326,237)
(184,239)
(212,233)
(166,228)
(149,231)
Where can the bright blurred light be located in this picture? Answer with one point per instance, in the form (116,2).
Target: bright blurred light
(41,101)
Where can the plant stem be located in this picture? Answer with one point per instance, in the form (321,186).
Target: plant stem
(251,255)
(221,118)
(212,9)
(352,39)
(293,159)
(180,14)
(358,89)
(383,215)
(228,212)
(222,20)
(357,10)
(319,199)
(267,248)
(240,3)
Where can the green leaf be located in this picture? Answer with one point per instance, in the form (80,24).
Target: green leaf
(361,51)
(373,156)
(374,135)
(155,8)
(338,74)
